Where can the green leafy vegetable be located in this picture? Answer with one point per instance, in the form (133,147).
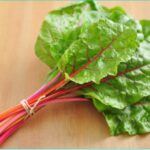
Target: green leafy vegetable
(96,54)
(101,54)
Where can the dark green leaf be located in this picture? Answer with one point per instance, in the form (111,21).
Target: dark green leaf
(132,120)
(130,85)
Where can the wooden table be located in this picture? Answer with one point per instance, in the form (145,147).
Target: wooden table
(67,125)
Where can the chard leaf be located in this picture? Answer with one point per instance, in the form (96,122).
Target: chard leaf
(146,28)
(98,51)
(132,120)
(60,28)
(129,86)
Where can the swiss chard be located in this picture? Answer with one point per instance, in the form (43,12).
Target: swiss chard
(96,54)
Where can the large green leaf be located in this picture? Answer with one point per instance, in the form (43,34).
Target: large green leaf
(130,85)
(132,120)
(60,28)
(98,51)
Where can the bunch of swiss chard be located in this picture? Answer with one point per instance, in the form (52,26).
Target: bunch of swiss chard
(96,54)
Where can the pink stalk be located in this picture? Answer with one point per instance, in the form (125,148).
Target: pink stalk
(4,134)
(39,92)
(58,100)
(10,131)
(13,119)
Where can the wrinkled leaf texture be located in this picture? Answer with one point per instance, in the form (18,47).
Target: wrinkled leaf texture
(135,119)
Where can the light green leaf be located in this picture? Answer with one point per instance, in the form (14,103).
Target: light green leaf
(146,28)
(60,28)
(130,85)
(98,52)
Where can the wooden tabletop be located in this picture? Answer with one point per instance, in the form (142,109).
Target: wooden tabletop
(67,125)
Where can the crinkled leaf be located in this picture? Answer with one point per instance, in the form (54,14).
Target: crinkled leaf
(60,28)
(118,14)
(132,120)
(98,52)
(130,85)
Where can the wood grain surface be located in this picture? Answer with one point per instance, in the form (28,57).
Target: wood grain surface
(67,125)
